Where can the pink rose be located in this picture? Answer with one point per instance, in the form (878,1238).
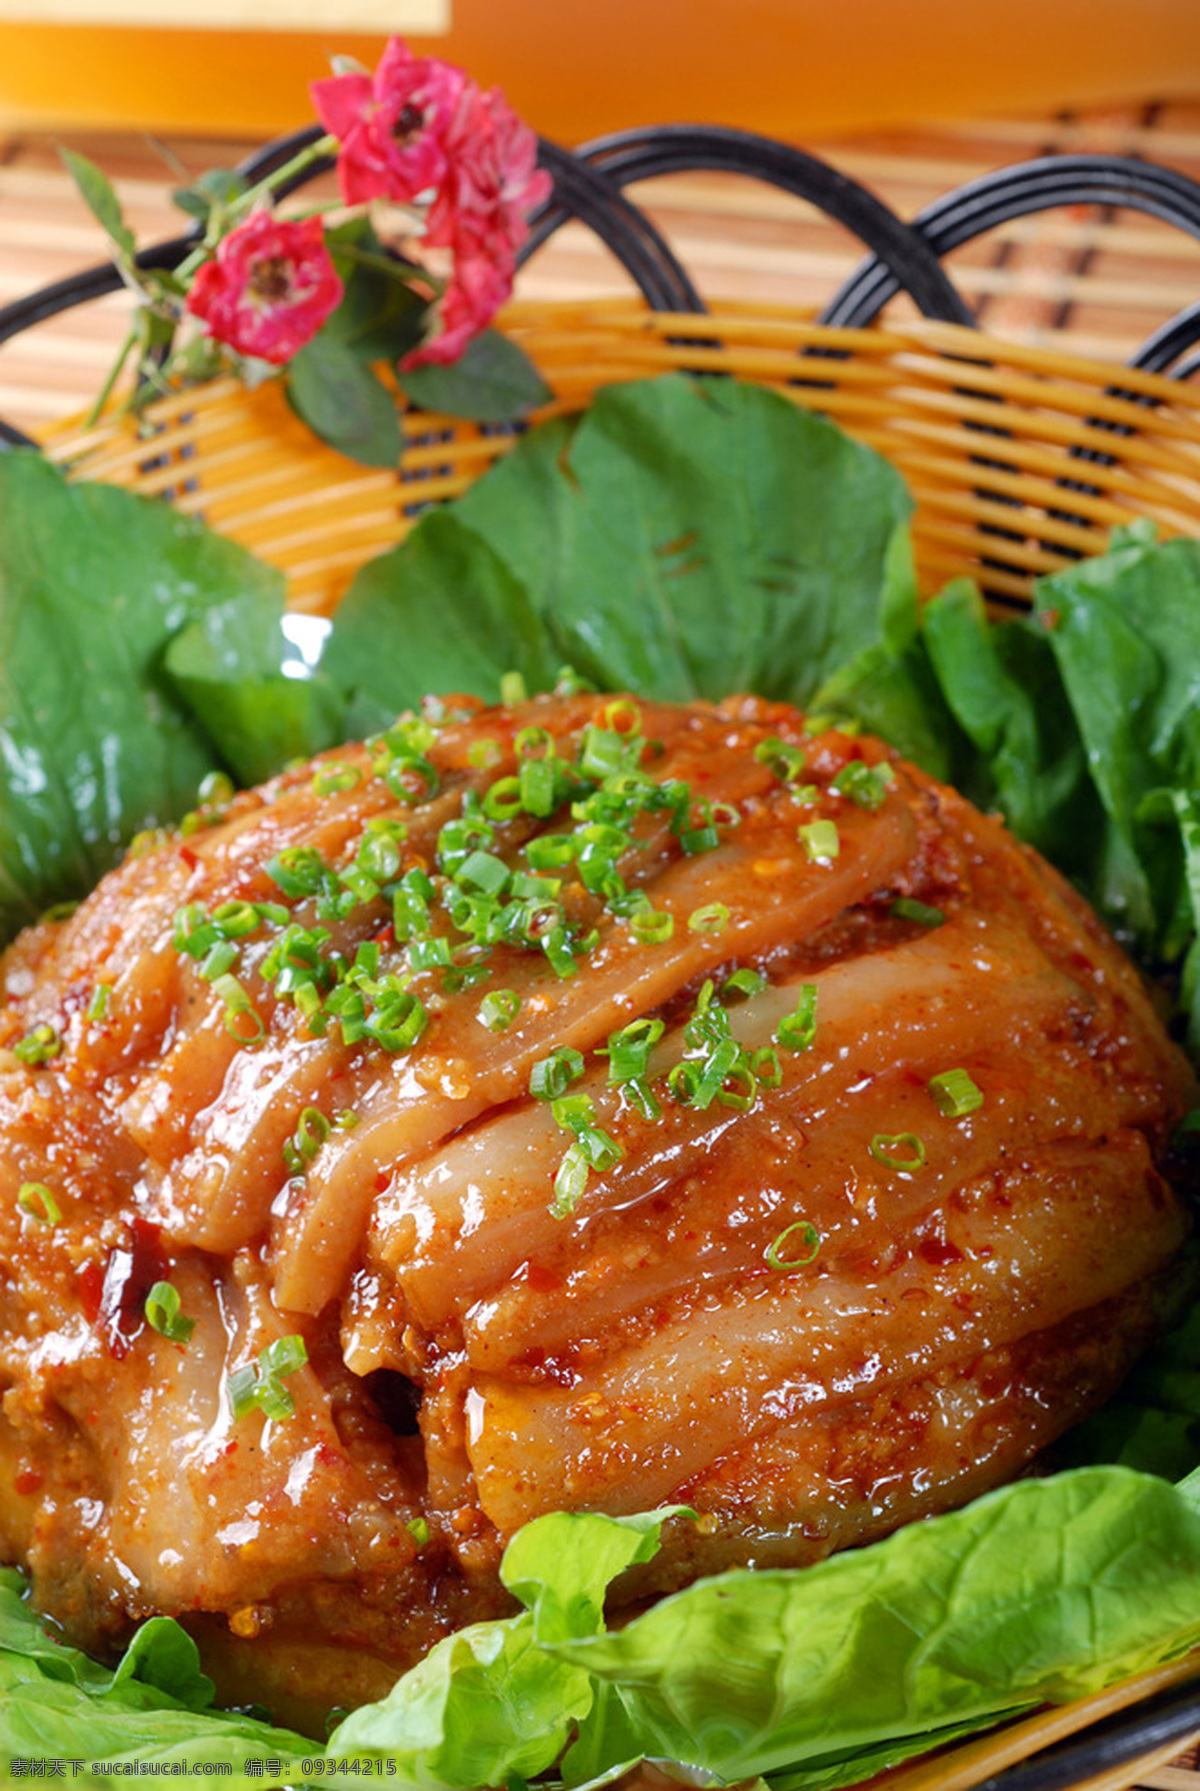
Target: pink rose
(481,281)
(270,287)
(492,177)
(480,213)
(390,126)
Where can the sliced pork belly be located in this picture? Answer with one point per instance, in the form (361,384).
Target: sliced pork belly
(586,1104)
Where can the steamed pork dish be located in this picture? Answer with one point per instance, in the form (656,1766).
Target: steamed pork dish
(579,1105)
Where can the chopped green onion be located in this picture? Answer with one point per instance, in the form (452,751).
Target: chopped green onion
(411,777)
(652,926)
(552,851)
(702,835)
(39,1202)
(954,1094)
(535,743)
(604,753)
(345,1119)
(39,1045)
(298,871)
(904,908)
(781,758)
(398,1021)
(98,1005)
(429,953)
(556,944)
(629,1049)
(622,716)
(59,911)
(827,722)
(570,1182)
(310,1134)
(682,1081)
(569,682)
(411,733)
(233,920)
(163,1314)
(797,1030)
(379,854)
(512,689)
(768,1071)
(538,787)
(336,777)
(809,1240)
(464,976)
(459,838)
(239,1010)
(899,1150)
(499,1008)
(502,800)
(550,1078)
(222,957)
(744,982)
(636,1093)
(147,840)
(258,1383)
(865,785)
(820,840)
(712,918)
(485,872)
(483,754)
(217,786)
(418,1529)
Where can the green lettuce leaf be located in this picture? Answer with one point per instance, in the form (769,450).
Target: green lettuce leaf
(154,1706)
(399,634)
(93,743)
(1080,723)
(682,538)
(1043,1591)
(1046,1590)
(247,674)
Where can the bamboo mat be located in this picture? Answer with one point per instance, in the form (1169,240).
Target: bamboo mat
(1083,277)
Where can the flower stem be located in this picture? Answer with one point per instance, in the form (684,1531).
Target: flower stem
(127,346)
(264,188)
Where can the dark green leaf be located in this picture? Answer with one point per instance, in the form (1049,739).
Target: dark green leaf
(155,1706)
(681,539)
(690,537)
(97,193)
(343,402)
(258,697)
(1125,632)
(215,190)
(93,584)
(1042,1591)
(397,637)
(381,315)
(493,381)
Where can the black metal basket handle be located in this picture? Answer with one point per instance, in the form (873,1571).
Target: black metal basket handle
(588,186)
(1020,191)
(589,183)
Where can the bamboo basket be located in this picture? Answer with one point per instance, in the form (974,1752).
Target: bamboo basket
(1020,459)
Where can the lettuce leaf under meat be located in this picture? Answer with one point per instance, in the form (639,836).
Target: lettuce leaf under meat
(96,742)
(809,1678)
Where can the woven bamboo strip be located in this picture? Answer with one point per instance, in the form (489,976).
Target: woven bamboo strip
(992,439)
(970,1762)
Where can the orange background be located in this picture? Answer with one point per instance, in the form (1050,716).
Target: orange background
(792,68)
